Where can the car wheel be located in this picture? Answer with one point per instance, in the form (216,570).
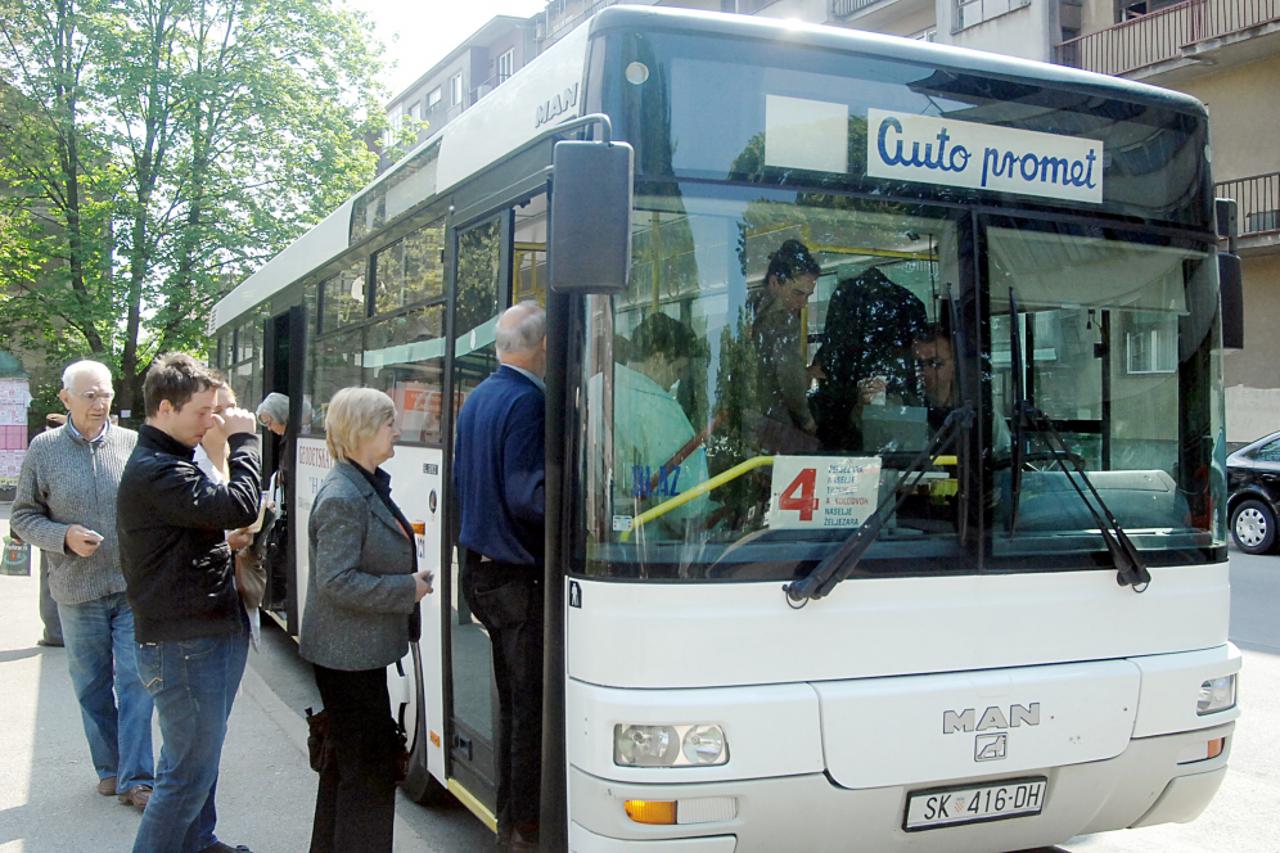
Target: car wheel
(1253,526)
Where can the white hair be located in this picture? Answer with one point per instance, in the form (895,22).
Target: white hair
(520,328)
(84,366)
(275,406)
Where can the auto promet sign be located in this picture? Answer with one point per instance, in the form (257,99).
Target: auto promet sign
(930,150)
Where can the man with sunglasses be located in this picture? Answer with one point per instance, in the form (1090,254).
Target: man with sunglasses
(66,506)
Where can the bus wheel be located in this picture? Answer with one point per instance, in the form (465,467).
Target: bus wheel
(1253,526)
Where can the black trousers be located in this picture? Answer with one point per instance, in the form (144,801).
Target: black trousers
(356,800)
(507,599)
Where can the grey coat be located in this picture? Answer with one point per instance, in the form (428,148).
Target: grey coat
(361,590)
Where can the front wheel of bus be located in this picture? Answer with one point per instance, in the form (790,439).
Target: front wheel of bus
(419,785)
(1253,526)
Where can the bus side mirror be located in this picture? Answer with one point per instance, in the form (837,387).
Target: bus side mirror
(1231,296)
(589,247)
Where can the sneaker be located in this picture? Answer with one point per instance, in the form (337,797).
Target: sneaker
(137,796)
(51,642)
(107,786)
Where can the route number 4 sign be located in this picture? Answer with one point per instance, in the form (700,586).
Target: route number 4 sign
(823,491)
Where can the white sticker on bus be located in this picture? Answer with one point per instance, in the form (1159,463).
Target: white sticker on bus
(947,152)
(823,491)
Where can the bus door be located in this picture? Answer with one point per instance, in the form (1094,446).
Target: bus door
(497,261)
(284,356)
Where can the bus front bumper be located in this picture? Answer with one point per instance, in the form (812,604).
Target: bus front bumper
(1151,782)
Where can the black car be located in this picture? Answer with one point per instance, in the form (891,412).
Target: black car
(1253,480)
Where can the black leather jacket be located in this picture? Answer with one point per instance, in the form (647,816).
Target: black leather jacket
(171,521)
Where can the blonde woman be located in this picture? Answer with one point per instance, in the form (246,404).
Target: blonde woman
(361,613)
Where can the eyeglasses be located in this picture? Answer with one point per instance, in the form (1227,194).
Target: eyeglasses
(92,397)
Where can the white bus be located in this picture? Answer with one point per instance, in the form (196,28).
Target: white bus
(903,526)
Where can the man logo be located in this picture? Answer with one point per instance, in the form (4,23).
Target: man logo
(994,717)
(990,747)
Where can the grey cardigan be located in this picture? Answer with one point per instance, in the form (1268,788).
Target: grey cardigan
(361,590)
(67,480)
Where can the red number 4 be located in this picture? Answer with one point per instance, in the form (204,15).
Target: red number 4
(800,494)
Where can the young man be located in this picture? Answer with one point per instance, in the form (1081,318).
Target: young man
(191,631)
(499,473)
(66,506)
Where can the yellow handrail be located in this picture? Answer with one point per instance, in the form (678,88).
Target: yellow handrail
(701,489)
(716,482)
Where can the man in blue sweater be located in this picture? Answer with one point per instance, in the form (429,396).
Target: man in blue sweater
(499,475)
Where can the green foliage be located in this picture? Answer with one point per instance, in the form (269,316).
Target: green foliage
(153,153)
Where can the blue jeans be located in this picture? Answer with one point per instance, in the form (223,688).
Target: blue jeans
(101,651)
(193,683)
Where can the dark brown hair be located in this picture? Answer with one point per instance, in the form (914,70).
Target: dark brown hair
(175,377)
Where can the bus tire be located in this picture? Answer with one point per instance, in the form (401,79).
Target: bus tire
(1253,527)
(419,785)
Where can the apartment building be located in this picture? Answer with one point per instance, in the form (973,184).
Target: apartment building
(473,69)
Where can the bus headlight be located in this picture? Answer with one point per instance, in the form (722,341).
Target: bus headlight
(1216,694)
(701,744)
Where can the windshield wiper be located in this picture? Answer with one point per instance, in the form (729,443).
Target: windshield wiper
(841,563)
(1130,569)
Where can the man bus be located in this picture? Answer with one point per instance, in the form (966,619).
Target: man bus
(989,619)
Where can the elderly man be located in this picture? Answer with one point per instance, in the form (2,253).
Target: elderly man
(192,634)
(499,477)
(66,506)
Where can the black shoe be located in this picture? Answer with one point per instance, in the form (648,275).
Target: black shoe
(51,642)
(219,847)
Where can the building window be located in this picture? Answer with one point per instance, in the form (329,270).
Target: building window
(415,110)
(455,89)
(1151,347)
(433,99)
(969,13)
(506,64)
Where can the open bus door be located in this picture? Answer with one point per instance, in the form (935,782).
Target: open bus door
(284,357)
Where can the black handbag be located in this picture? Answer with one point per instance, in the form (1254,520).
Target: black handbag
(319,750)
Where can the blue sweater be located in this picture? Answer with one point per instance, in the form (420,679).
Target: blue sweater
(499,469)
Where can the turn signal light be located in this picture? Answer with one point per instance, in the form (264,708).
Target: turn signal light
(656,812)
(1215,747)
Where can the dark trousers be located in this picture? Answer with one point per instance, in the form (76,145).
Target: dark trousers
(507,599)
(356,800)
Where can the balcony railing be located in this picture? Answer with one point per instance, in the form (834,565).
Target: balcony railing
(845,8)
(1257,202)
(1162,35)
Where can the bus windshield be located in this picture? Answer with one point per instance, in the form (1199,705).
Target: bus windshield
(779,357)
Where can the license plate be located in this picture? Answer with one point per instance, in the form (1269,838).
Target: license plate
(953,806)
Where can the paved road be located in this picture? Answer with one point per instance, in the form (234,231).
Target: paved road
(267,790)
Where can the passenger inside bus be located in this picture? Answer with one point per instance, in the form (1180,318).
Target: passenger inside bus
(866,358)
(653,461)
(786,425)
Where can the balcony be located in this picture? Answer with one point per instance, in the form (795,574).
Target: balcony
(1171,42)
(1258,209)
(885,16)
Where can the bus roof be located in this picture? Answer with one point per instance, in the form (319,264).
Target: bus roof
(889,47)
(519,110)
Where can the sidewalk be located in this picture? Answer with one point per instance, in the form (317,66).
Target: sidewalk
(266,791)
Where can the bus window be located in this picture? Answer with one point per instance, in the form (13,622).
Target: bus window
(752,396)
(529,253)
(343,297)
(337,365)
(409,270)
(1098,331)
(405,358)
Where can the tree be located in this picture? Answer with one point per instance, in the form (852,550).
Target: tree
(174,146)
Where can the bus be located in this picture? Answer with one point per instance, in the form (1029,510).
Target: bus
(885,448)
